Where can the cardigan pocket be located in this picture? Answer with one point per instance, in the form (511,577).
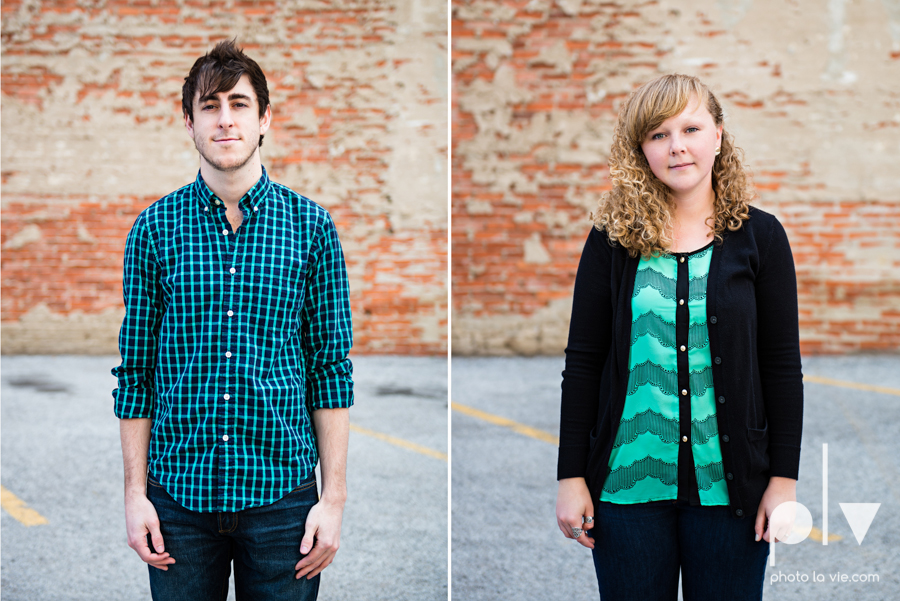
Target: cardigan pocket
(759,444)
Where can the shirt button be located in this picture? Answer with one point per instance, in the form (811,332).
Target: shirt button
(255,209)
(227,396)
(721,400)
(681,301)
(684,439)
(730,476)
(713,320)
(684,393)
(224,232)
(718,360)
(225,438)
(232,270)
(683,348)
(218,203)
(230,313)
(228,354)
(725,438)
(206,209)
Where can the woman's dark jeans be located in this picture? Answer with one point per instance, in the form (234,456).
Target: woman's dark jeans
(263,542)
(639,549)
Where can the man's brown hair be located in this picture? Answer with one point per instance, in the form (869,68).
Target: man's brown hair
(218,71)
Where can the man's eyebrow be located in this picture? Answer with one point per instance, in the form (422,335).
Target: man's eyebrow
(232,96)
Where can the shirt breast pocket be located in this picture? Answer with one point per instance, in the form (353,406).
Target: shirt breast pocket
(275,298)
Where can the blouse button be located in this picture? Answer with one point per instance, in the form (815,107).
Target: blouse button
(684,439)
(730,476)
(721,400)
(684,393)
(681,301)
(718,360)
(725,438)
(683,348)
(738,512)
(682,259)
(712,319)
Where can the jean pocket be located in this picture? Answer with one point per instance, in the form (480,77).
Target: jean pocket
(305,486)
(153,482)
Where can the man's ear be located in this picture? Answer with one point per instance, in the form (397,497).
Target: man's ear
(266,120)
(189,125)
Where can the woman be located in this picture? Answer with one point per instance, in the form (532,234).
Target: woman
(682,396)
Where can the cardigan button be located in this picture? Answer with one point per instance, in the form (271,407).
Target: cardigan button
(725,438)
(721,400)
(730,476)
(713,319)
(718,360)
(738,512)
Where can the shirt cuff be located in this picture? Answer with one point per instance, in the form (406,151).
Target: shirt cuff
(133,403)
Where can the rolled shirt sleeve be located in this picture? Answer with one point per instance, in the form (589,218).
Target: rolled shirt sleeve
(327,324)
(139,336)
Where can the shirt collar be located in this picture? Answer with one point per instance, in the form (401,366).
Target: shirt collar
(254,197)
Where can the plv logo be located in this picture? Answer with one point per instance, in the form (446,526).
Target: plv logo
(858,515)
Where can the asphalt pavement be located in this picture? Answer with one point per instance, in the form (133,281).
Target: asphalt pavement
(61,457)
(505,541)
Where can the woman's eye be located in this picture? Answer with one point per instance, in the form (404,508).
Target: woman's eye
(690,129)
(657,136)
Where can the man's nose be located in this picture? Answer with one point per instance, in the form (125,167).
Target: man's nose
(226,118)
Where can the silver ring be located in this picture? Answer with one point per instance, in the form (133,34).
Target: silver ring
(588,519)
(576,532)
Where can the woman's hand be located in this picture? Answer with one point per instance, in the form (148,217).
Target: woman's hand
(780,490)
(573,506)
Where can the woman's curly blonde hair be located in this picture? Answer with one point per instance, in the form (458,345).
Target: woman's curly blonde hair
(637,212)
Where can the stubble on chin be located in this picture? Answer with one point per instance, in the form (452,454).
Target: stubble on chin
(219,165)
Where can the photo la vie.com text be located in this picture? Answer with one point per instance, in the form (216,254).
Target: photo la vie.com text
(798,519)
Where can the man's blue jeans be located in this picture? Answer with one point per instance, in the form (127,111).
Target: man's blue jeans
(263,542)
(638,550)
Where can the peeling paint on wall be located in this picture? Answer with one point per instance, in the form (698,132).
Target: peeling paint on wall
(537,87)
(92,122)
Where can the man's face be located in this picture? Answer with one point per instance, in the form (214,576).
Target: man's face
(227,126)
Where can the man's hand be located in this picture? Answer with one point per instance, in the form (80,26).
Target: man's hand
(779,490)
(321,538)
(140,520)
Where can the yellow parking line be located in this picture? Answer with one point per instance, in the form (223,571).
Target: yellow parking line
(547,437)
(854,385)
(507,423)
(816,535)
(17,508)
(400,442)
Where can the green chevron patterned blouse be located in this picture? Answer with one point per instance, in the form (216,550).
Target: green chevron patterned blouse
(669,382)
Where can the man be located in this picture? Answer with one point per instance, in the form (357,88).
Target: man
(234,378)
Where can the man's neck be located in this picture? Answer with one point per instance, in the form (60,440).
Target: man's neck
(230,186)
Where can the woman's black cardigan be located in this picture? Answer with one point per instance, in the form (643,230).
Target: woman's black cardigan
(751,311)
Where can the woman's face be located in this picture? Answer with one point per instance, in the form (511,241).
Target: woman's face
(682,150)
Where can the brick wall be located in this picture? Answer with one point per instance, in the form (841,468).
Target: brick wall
(536,89)
(92,134)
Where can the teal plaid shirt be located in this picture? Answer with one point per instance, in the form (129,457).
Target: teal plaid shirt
(231,340)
